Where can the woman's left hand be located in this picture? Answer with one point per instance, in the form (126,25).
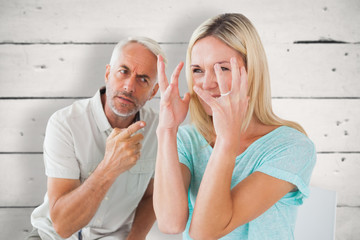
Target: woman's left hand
(229,110)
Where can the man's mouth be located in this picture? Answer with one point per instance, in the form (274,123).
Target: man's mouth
(125,99)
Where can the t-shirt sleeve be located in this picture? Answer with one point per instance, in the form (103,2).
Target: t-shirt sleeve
(59,153)
(183,150)
(293,161)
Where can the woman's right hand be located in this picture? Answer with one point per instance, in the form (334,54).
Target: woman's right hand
(173,109)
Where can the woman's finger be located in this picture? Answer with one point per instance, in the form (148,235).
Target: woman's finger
(205,96)
(176,73)
(235,75)
(244,83)
(223,86)
(163,82)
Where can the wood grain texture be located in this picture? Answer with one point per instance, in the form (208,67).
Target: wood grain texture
(337,172)
(305,71)
(332,127)
(53,52)
(24,175)
(15,224)
(173,21)
(23,180)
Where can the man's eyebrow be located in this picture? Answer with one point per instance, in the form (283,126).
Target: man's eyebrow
(142,76)
(137,75)
(124,66)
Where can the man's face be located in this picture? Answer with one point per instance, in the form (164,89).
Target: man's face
(131,81)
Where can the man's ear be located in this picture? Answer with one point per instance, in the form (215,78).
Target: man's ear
(155,89)
(108,68)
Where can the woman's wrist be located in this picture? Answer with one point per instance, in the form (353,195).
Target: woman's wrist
(227,145)
(162,131)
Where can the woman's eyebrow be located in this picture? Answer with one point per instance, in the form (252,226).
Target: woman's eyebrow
(222,62)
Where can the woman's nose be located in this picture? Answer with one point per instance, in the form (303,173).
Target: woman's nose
(209,81)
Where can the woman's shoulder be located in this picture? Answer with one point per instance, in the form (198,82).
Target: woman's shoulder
(288,137)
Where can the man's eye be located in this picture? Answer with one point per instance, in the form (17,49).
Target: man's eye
(123,71)
(143,81)
(196,70)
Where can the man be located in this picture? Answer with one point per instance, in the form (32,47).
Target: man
(99,185)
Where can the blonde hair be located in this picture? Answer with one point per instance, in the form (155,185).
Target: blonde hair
(236,31)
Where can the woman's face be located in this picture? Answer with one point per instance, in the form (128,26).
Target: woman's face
(205,54)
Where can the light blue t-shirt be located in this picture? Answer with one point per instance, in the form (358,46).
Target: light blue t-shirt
(284,153)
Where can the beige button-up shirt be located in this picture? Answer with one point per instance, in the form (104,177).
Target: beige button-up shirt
(74,145)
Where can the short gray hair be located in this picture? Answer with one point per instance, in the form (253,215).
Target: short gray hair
(149,43)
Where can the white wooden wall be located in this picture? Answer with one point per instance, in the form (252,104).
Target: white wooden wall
(54,52)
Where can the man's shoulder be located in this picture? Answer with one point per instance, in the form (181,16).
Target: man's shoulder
(77,109)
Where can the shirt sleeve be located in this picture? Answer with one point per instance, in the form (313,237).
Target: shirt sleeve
(293,161)
(59,153)
(183,150)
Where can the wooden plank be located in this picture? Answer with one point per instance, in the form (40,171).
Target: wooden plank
(15,224)
(24,123)
(347,223)
(331,123)
(173,21)
(323,70)
(24,180)
(62,70)
(314,70)
(340,173)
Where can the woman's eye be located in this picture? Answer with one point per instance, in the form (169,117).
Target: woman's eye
(224,69)
(196,70)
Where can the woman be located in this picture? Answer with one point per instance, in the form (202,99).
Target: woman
(243,171)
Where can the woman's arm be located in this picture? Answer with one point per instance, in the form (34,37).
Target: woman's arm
(171,186)
(171,178)
(218,209)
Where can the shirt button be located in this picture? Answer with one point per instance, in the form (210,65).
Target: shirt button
(106,198)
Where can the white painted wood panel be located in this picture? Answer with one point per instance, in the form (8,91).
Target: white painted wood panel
(15,224)
(347,223)
(325,70)
(333,125)
(340,173)
(173,21)
(24,181)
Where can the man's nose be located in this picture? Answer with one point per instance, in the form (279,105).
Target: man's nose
(209,81)
(130,83)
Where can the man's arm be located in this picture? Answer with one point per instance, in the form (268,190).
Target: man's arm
(72,205)
(144,216)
